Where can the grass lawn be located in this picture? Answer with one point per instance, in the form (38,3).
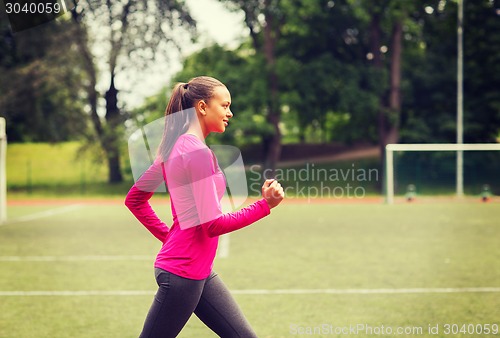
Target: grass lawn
(296,255)
(50,164)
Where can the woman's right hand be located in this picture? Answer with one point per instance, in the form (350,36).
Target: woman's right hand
(272,192)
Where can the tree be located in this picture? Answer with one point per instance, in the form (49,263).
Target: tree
(263,19)
(41,77)
(482,71)
(387,20)
(430,107)
(334,88)
(133,33)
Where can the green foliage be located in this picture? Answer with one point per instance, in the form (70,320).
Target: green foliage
(429,105)
(42,83)
(435,172)
(328,91)
(481,71)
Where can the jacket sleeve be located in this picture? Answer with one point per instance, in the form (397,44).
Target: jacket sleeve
(203,170)
(236,220)
(137,201)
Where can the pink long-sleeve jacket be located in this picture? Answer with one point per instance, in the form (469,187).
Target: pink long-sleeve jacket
(196,185)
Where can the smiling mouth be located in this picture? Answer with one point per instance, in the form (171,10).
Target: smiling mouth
(225,123)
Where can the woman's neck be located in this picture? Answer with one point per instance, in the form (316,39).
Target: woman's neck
(196,129)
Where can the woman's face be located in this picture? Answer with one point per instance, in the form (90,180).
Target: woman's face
(218,111)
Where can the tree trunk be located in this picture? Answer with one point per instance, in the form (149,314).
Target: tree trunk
(81,39)
(112,139)
(108,137)
(395,89)
(272,144)
(375,44)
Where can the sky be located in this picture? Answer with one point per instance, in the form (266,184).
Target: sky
(215,23)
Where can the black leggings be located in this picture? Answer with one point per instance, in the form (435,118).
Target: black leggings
(177,298)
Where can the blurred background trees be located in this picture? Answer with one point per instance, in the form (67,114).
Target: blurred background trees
(343,71)
(57,69)
(131,33)
(41,83)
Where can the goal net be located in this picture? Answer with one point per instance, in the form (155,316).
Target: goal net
(3,172)
(433,169)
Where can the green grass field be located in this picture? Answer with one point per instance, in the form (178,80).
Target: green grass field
(301,249)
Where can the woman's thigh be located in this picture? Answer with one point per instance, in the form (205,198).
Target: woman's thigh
(173,304)
(219,311)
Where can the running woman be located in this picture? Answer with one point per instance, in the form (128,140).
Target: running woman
(183,267)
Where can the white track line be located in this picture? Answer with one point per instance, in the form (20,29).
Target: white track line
(86,258)
(79,293)
(261,292)
(43,214)
(223,250)
(365,291)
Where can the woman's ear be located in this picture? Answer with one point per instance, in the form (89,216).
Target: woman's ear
(201,107)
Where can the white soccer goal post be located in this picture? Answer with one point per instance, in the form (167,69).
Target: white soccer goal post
(3,172)
(391,148)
